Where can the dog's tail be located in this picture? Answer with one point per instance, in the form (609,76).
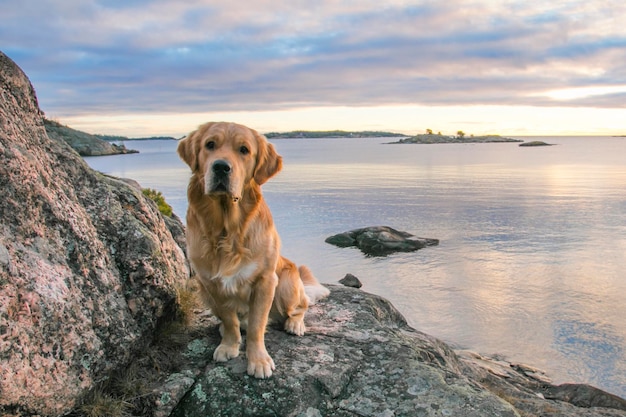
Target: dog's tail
(313,289)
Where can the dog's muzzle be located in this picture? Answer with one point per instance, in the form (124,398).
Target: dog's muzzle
(221,182)
(221,176)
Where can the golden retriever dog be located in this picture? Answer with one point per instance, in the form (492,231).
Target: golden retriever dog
(233,245)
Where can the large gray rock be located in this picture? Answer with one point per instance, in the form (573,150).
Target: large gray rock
(87,264)
(360,358)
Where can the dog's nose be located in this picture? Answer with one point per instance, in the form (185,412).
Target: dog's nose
(221,167)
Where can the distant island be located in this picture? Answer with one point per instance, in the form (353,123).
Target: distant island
(431,138)
(87,144)
(305,134)
(113,138)
(84,143)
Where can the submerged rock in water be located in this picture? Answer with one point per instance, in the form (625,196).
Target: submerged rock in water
(380,240)
(535,143)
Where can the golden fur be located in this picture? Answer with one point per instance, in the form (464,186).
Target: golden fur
(233,244)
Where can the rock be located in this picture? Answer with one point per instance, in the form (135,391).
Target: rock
(380,240)
(360,358)
(87,264)
(84,143)
(531,392)
(535,143)
(584,395)
(177,229)
(173,222)
(351,281)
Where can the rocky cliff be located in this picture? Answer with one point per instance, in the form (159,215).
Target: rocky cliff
(87,264)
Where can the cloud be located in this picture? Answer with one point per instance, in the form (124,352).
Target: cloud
(169,56)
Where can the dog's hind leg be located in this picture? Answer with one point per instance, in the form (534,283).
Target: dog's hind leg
(295,320)
(291,300)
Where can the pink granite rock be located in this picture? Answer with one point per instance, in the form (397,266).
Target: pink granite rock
(87,264)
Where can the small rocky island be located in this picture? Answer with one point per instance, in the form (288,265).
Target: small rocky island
(431,138)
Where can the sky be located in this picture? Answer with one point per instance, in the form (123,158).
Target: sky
(162,67)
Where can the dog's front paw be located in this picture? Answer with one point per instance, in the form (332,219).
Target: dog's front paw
(225,352)
(260,365)
(295,326)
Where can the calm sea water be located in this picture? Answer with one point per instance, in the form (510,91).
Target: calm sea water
(532,257)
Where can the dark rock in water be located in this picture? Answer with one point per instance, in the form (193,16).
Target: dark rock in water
(380,240)
(351,281)
(360,358)
(535,143)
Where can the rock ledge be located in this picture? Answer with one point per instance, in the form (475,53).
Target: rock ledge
(360,358)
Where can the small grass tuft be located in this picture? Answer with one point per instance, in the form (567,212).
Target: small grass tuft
(100,404)
(158,198)
(128,383)
(187,301)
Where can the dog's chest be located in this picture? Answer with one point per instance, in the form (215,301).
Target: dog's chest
(232,283)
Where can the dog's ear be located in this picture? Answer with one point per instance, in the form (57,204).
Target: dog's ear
(187,152)
(188,147)
(268,162)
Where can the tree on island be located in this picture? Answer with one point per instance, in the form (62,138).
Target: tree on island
(460,134)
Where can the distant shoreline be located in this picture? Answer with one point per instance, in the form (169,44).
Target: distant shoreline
(331,134)
(441,139)
(110,138)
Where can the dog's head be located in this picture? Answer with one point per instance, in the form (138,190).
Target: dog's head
(228,157)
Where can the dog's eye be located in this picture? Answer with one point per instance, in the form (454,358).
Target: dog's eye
(244,150)
(210,145)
